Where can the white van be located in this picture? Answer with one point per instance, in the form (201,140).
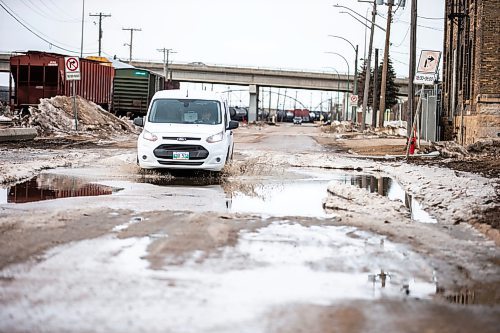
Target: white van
(185,130)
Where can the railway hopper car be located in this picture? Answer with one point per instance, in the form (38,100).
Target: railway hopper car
(42,75)
(133,89)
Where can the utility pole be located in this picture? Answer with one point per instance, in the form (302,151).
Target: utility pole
(375,91)
(166,54)
(355,85)
(368,69)
(131,40)
(101,15)
(411,74)
(383,87)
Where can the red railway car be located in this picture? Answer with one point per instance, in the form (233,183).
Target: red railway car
(41,75)
(303,113)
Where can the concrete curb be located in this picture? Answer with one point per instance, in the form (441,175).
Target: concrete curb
(17,134)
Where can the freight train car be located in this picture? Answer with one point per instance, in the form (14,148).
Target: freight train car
(133,88)
(41,75)
(303,113)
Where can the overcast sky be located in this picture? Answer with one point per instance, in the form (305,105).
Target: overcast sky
(289,34)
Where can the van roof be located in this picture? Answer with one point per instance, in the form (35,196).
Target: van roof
(188,94)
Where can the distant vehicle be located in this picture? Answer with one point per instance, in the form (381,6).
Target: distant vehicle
(186,130)
(197,63)
(297,120)
(239,113)
(303,113)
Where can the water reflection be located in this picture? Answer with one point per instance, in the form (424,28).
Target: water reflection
(50,186)
(390,188)
(298,196)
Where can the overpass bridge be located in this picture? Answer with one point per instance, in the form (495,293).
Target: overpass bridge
(247,76)
(258,77)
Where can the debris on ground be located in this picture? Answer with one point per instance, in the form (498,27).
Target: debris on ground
(55,117)
(5,114)
(447,149)
(485,148)
(5,121)
(479,149)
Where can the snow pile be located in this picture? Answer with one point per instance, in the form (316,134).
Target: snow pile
(397,128)
(393,128)
(340,127)
(55,117)
(348,199)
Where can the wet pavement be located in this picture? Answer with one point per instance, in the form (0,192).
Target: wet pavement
(282,263)
(118,250)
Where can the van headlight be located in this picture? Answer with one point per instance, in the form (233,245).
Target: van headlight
(149,136)
(216,137)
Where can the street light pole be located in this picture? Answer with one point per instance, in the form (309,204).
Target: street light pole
(348,73)
(355,79)
(338,92)
(368,69)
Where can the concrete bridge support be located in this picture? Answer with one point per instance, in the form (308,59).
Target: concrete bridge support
(254,102)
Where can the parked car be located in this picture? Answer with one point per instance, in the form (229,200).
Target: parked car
(185,130)
(297,120)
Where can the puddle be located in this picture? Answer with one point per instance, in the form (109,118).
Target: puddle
(274,266)
(300,197)
(300,194)
(304,197)
(390,188)
(52,186)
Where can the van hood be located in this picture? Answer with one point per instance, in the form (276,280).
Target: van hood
(183,129)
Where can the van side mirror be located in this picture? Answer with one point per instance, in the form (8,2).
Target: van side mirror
(232,125)
(139,121)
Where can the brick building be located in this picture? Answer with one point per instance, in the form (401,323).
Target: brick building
(471,70)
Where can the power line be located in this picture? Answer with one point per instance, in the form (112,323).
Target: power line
(62,11)
(37,34)
(33,6)
(431,18)
(404,38)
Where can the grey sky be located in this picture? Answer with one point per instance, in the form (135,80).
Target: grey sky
(290,34)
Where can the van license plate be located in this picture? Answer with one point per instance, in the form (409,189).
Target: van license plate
(180,155)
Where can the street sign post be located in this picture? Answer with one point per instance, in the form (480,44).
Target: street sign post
(426,75)
(427,67)
(72,70)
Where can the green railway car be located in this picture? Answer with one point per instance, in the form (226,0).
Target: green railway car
(133,88)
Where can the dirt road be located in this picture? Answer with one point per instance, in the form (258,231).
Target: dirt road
(296,236)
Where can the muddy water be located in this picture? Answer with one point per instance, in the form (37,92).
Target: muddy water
(233,289)
(48,186)
(300,194)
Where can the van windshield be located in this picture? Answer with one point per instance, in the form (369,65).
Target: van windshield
(185,111)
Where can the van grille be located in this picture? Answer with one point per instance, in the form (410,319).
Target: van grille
(166,151)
